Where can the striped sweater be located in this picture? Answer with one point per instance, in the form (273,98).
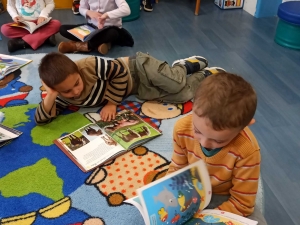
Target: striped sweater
(104,80)
(234,170)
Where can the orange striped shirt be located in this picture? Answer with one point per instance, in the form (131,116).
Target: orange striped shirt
(234,170)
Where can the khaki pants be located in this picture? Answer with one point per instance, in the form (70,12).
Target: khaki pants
(156,80)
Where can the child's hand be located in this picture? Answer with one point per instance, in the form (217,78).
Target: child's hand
(17,19)
(101,20)
(49,90)
(108,112)
(93,14)
(40,20)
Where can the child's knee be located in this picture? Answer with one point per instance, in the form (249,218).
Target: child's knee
(5,29)
(55,24)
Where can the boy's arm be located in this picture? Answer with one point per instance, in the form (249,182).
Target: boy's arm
(84,7)
(179,157)
(49,6)
(11,8)
(43,116)
(49,108)
(117,77)
(245,184)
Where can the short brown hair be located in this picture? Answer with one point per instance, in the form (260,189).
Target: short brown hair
(55,68)
(227,100)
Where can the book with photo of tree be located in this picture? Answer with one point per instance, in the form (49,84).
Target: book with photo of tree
(96,143)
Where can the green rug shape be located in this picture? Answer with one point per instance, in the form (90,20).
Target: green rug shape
(40,178)
(16,116)
(44,135)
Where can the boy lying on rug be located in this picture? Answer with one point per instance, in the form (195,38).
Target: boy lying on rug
(95,82)
(217,132)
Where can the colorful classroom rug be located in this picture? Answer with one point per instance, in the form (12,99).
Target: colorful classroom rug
(39,184)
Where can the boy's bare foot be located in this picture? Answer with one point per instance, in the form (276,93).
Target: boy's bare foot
(104,48)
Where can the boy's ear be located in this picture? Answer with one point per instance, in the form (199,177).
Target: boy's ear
(252,122)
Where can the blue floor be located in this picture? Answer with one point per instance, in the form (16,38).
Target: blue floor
(241,44)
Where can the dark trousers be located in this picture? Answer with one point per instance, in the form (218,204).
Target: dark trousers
(108,35)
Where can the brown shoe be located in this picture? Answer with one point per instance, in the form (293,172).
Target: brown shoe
(104,48)
(73,46)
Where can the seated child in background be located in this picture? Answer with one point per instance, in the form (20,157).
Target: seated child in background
(36,11)
(217,132)
(106,15)
(99,82)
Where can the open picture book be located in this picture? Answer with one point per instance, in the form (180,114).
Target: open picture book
(9,64)
(86,32)
(96,143)
(8,134)
(82,32)
(180,197)
(29,25)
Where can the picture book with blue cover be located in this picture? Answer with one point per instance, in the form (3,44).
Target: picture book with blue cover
(180,197)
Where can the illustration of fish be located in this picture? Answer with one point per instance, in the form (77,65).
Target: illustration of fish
(175,218)
(163,214)
(167,198)
(181,200)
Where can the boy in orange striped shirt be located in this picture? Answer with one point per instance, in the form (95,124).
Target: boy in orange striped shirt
(217,132)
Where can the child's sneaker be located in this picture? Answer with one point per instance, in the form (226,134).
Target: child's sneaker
(75,7)
(147,5)
(212,70)
(192,64)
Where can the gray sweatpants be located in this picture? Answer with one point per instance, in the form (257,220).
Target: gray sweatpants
(217,200)
(157,80)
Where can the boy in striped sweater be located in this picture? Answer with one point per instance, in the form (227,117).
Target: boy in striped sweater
(217,132)
(99,82)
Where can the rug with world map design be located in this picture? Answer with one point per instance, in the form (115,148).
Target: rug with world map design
(39,184)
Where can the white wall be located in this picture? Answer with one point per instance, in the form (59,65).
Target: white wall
(289,0)
(250,6)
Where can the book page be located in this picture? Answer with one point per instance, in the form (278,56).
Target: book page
(82,31)
(30,25)
(9,64)
(212,216)
(41,24)
(128,129)
(90,146)
(7,133)
(137,203)
(21,25)
(175,198)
